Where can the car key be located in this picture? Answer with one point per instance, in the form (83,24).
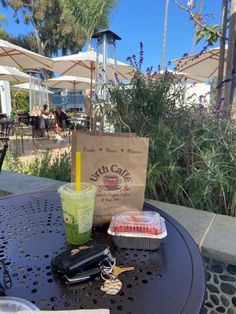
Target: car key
(83,276)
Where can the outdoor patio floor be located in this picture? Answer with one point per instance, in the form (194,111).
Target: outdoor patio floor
(30,147)
(221,288)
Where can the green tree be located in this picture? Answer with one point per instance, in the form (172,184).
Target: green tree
(52,29)
(3,34)
(89,15)
(20,100)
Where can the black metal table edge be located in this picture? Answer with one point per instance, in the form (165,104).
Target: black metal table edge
(198,269)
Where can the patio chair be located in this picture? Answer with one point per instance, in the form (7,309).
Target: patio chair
(3,152)
(5,128)
(26,133)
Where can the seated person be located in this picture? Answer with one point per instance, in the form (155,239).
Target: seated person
(61,118)
(45,115)
(35,116)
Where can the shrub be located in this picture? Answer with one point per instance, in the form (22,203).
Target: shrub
(47,165)
(192,150)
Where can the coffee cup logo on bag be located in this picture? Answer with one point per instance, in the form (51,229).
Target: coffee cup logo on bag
(112,182)
(111,178)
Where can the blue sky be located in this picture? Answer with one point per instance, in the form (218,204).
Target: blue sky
(138,21)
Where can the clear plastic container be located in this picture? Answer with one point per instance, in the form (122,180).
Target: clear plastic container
(138,230)
(17,305)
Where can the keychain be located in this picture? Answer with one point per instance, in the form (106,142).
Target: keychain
(109,273)
(7,282)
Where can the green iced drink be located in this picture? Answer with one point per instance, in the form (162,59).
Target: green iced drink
(78,207)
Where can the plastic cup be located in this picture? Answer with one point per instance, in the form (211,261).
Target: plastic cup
(78,208)
(17,305)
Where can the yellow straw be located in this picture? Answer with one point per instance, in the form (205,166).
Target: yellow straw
(78,171)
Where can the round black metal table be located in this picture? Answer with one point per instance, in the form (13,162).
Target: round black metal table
(170,280)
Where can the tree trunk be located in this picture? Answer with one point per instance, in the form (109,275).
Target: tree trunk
(88,35)
(38,39)
(36,29)
(233,84)
(222,51)
(230,59)
(41,47)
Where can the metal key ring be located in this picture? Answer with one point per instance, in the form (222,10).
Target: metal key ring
(6,275)
(106,271)
(109,277)
(111,262)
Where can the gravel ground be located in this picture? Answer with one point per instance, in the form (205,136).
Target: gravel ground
(221,288)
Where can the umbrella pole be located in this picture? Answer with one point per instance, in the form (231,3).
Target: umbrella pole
(30,94)
(91,93)
(47,97)
(74,98)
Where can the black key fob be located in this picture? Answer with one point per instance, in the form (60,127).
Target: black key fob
(80,259)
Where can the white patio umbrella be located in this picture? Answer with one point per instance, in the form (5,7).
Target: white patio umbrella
(204,66)
(70,82)
(15,56)
(26,86)
(83,64)
(13,74)
(183,76)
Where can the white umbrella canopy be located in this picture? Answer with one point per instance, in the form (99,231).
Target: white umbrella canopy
(27,86)
(84,65)
(13,74)
(15,56)
(204,66)
(188,78)
(69,82)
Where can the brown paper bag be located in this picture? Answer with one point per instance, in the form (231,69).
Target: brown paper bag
(117,165)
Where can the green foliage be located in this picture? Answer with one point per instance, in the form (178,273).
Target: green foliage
(12,160)
(191,152)
(53,30)
(2,22)
(20,100)
(27,41)
(210,33)
(58,24)
(89,15)
(47,165)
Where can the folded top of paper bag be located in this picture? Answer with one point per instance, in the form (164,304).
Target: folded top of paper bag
(101,311)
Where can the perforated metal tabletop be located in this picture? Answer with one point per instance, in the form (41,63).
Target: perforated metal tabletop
(170,280)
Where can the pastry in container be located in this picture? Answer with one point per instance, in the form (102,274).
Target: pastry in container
(138,230)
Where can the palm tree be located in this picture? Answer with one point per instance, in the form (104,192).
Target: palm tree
(165,35)
(89,15)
